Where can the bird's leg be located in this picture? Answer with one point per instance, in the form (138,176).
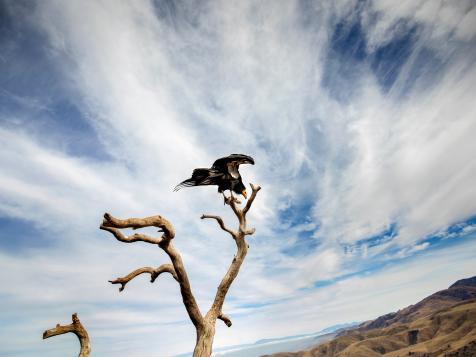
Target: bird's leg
(232,198)
(224,198)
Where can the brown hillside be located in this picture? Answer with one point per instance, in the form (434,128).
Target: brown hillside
(443,324)
(462,290)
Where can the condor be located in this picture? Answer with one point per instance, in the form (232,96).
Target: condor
(223,173)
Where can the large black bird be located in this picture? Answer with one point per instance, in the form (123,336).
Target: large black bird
(223,173)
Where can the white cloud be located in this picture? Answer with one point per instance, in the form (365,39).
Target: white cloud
(165,94)
(413,165)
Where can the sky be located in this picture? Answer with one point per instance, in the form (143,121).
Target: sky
(360,116)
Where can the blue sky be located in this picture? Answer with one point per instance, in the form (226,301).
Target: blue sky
(360,116)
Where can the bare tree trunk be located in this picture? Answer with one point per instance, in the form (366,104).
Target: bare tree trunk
(204,325)
(204,343)
(78,329)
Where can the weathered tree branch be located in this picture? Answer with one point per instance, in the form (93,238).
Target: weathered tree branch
(254,189)
(221,223)
(113,225)
(242,247)
(154,274)
(78,329)
(136,237)
(233,202)
(225,319)
(135,223)
(185,289)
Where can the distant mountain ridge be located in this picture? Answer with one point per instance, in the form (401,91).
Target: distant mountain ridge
(442,324)
(465,282)
(462,290)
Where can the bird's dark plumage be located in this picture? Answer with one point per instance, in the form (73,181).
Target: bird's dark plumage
(223,173)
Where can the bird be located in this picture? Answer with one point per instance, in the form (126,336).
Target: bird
(223,173)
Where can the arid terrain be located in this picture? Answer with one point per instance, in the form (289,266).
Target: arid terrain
(443,324)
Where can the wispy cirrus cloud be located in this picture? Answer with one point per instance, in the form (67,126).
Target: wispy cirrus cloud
(360,117)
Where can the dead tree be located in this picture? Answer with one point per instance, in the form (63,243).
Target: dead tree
(204,325)
(78,329)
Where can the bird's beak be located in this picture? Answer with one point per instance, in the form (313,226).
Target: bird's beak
(244,193)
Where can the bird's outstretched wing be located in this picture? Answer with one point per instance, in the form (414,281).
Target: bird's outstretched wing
(238,159)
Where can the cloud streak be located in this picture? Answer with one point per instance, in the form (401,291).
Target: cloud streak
(359,115)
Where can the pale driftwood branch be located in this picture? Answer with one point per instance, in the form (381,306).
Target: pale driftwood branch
(225,319)
(250,232)
(233,202)
(242,249)
(154,274)
(254,192)
(112,224)
(135,223)
(136,237)
(221,224)
(78,329)
(185,289)
(229,276)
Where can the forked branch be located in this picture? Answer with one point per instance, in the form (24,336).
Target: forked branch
(78,329)
(242,249)
(113,224)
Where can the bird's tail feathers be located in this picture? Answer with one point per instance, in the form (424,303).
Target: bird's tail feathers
(200,177)
(187,183)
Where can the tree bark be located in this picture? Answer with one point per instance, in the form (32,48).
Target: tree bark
(204,343)
(204,325)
